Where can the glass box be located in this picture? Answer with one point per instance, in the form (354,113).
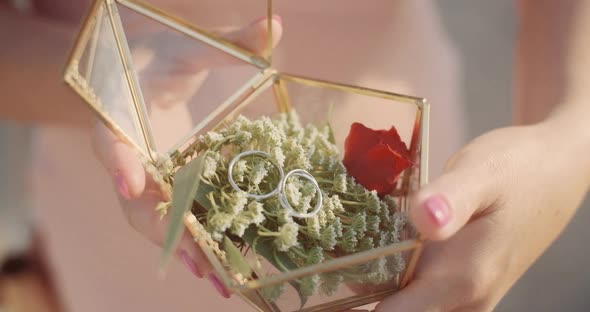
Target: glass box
(139,67)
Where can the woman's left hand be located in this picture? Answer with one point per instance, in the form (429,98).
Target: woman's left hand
(501,202)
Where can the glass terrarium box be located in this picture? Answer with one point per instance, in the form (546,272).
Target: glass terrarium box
(295,188)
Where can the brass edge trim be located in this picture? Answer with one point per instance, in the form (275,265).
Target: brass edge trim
(194,31)
(350,302)
(82,37)
(128,74)
(282,95)
(133,81)
(409,273)
(332,265)
(355,89)
(425,143)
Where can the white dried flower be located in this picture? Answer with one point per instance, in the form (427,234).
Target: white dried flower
(292,192)
(257,173)
(237,202)
(255,212)
(349,240)
(220,221)
(373,222)
(287,237)
(330,282)
(210,165)
(366,244)
(373,202)
(273,293)
(340,183)
(328,238)
(313,227)
(211,139)
(315,255)
(278,156)
(239,170)
(309,285)
(359,224)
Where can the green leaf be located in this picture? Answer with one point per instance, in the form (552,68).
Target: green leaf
(201,196)
(186,185)
(265,248)
(235,258)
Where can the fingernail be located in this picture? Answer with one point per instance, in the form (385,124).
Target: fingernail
(274,17)
(278,19)
(438,209)
(218,285)
(190,264)
(122,185)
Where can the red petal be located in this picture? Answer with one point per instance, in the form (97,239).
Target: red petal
(394,141)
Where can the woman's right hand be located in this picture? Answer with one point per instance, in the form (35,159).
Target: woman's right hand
(138,193)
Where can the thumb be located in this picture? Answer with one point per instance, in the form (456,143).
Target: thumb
(443,207)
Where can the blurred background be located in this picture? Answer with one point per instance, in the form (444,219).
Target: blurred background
(86,276)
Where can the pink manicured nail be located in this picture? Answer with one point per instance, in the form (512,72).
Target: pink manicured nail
(122,185)
(219,286)
(275,17)
(438,209)
(278,19)
(190,264)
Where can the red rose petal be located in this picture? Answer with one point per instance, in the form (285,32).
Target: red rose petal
(375,158)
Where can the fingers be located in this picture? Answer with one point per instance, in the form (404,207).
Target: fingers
(465,273)
(444,206)
(121,161)
(253,37)
(417,296)
(148,222)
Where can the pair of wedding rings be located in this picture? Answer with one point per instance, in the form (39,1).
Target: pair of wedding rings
(280,188)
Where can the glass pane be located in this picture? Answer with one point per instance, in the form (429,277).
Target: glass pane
(185,83)
(219,16)
(340,289)
(103,73)
(352,222)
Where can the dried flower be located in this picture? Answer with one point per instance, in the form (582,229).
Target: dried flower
(366,244)
(313,227)
(373,202)
(340,183)
(349,240)
(328,238)
(240,169)
(287,237)
(220,221)
(330,282)
(309,285)
(210,165)
(237,202)
(272,293)
(359,224)
(315,255)
(373,222)
(211,139)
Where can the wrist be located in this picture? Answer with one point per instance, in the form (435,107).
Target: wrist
(568,132)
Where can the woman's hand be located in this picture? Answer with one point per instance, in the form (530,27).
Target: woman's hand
(139,194)
(501,202)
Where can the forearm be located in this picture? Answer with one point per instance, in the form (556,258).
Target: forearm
(553,78)
(553,61)
(32,58)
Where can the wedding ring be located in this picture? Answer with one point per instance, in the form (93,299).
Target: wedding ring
(285,202)
(230,174)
